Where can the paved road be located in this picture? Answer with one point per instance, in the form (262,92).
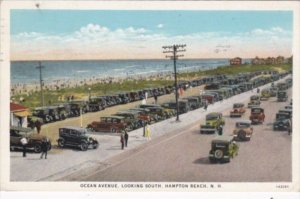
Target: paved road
(182,156)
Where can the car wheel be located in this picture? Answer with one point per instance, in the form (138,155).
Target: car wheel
(61,143)
(113,130)
(95,145)
(83,146)
(37,148)
(218,154)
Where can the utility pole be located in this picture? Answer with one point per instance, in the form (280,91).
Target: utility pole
(174,49)
(40,67)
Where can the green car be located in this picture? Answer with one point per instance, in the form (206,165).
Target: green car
(223,148)
(213,122)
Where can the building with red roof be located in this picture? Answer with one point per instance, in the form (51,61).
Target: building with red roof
(18,115)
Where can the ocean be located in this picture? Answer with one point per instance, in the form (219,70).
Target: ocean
(26,72)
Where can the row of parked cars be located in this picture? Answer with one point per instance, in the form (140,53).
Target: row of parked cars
(224,147)
(145,113)
(224,87)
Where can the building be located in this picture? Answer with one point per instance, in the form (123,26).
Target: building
(279,60)
(18,115)
(236,61)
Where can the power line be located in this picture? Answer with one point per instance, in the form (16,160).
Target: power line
(173,50)
(40,67)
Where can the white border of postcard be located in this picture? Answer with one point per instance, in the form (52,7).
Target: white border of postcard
(6,6)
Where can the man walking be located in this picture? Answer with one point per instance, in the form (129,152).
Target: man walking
(38,125)
(220,130)
(155,97)
(205,105)
(126,138)
(44,147)
(24,143)
(122,140)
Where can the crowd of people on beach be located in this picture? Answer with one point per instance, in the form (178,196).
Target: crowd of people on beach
(55,85)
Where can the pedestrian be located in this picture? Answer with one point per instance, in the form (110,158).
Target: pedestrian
(38,126)
(126,138)
(146,96)
(44,147)
(24,143)
(220,130)
(143,101)
(155,97)
(148,132)
(205,105)
(257,90)
(122,140)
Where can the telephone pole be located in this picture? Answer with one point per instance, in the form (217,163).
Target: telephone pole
(40,67)
(173,50)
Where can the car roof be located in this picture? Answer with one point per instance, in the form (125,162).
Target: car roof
(214,114)
(113,116)
(256,107)
(239,104)
(21,129)
(222,139)
(73,128)
(243,121)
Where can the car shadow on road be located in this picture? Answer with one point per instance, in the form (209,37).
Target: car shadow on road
(203,160)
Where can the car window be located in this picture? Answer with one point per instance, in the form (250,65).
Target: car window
(73,133)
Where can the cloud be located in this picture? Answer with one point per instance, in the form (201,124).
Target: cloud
(160,25)
(103,42)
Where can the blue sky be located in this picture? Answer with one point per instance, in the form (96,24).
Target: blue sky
(179,25)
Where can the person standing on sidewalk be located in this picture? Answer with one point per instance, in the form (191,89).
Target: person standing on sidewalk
(148,132)
(24,143)
(220,130)
(155,97)
(126,136)
(122,140)
(44,147)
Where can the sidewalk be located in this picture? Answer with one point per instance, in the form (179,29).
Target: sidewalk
(63,162)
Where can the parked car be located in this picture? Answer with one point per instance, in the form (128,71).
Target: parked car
(282,86)
(144,114)
(223,148)
(76,137)
(265,94)
(131,118)
(194,102)
(114,124)
(273,91)
(183,106)
(282,96)
(238,110)
(43,113)
(34,140)
(282,121)
(213,122)
(254,101)
(31,121)
(208,97)
(243,130)
(257,115)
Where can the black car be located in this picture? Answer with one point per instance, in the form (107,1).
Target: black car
(43,113)
(76,137)
(282,96)
(282,122)
(223,148)
(34,139)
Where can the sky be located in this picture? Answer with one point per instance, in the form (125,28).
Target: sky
(132,34)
